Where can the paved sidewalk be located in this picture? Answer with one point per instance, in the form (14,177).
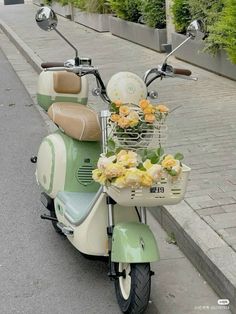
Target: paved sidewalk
(203,128)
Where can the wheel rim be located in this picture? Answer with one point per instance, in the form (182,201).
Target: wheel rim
(125,282)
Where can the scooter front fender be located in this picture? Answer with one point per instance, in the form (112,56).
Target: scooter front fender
(133,242)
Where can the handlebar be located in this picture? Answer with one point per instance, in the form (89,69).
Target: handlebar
(182,72)
(46,65)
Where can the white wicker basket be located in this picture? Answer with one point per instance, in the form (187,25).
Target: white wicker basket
(150,136)
(168,192)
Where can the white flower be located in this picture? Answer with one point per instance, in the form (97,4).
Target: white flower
(103,161)
(155,172)
(177,168)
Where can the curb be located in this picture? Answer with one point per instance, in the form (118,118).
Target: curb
(26,51)
(212,256)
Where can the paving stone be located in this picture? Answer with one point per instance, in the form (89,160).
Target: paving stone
(229,208)
(210,211)
(227,220)
(200,202)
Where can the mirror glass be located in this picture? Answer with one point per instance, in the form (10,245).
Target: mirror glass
(195,28)
(46,19)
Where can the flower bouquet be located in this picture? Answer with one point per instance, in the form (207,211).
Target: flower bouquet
(135,127)
(135,168)
(149,178)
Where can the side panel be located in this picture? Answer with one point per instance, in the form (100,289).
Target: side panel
(91,236)
(82,158)
(134,243)
(65,164)
(51,164)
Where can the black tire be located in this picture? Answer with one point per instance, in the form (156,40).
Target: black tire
(136,300)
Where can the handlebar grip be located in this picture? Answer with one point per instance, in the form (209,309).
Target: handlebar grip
(182,72)
(46,65)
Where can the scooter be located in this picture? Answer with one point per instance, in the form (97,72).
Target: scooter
(98,220)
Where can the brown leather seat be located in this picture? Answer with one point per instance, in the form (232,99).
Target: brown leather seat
(77,121)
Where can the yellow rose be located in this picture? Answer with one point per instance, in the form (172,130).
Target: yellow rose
(99,176)
(119,182)
(123,122)
(149,109)
(146,180)
(118,103)
(150,118)
(169,162)
(124,110)
(115,117)
(114,171)
(127,158)
(147,164)
(162,108)
(144,103)
(133,118)
(133,177)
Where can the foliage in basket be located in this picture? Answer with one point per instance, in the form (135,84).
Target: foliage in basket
(136,126)
(133,118)
(154,13)
(128,169)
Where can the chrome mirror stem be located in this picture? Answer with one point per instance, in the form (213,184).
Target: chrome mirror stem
(173,51)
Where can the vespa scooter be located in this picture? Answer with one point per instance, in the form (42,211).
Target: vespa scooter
(98,221)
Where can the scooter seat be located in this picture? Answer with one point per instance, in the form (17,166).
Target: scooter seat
(77,121)
(75,205)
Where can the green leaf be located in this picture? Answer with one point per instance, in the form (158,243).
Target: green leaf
(143,154)
(172,172)
(179,156)
(111,145)
(151,154)
(118,150)
(155,160)
(160,151)
(109,153)
(141,167)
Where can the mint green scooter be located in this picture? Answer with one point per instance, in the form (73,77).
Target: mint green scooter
(98,221)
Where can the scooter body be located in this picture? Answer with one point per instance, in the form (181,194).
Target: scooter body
(64,172)
(89,215)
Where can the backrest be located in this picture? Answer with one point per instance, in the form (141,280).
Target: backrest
(66,83)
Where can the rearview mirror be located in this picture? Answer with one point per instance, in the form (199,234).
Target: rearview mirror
(46,19)
(195,28)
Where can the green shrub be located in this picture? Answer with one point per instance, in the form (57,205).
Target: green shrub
(223,33)
(181,15)
(154,13)
(92,6)
(126,9)
(207,11)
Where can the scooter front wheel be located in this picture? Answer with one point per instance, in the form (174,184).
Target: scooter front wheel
(133,288)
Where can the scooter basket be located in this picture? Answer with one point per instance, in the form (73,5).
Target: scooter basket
(145,136)
(169,191)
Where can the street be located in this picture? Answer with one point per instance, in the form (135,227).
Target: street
(40,272)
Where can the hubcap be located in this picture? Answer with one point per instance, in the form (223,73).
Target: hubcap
(125,281)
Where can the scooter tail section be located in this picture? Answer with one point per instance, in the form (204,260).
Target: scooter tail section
(134,242)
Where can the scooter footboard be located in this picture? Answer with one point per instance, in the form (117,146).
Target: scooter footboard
(133,242)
